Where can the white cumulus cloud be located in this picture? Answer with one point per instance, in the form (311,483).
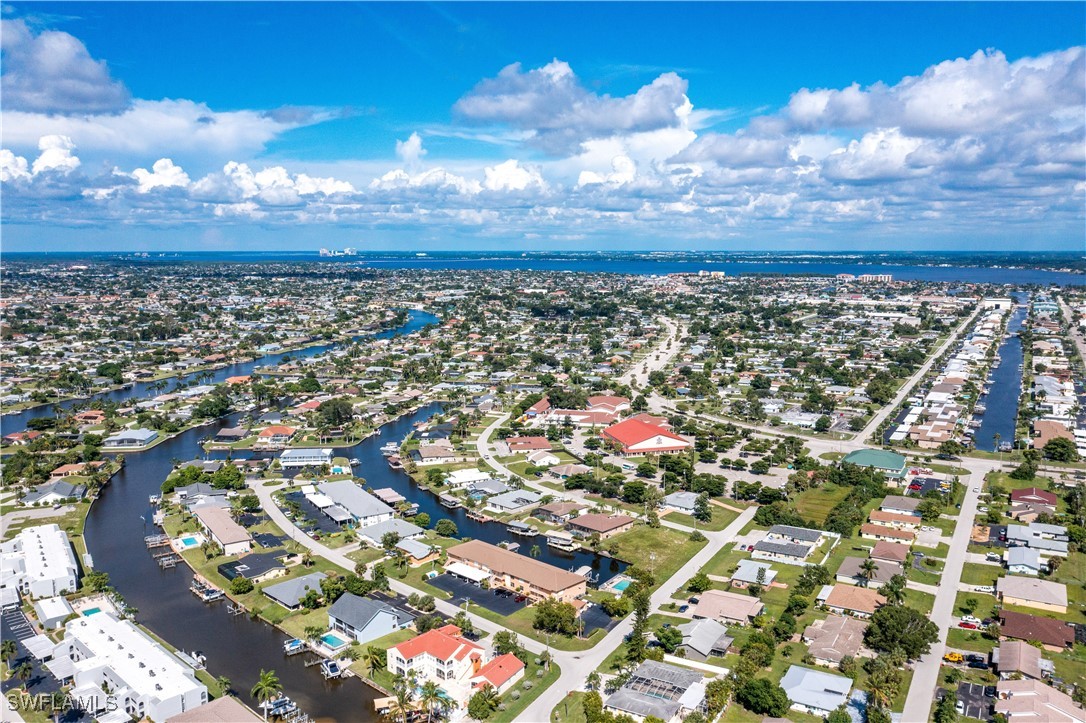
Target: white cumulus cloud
(163,174)
(56,155)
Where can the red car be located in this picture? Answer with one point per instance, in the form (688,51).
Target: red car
(968,626)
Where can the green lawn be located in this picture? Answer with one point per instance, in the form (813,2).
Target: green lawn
(528,689)
(721,519)
(975,573)
(570,710)
(969,640)
(661,549)
(815,503)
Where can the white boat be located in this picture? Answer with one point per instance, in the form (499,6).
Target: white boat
(390,449)
(331,669)
(280,706)
(294,645)
(355,461)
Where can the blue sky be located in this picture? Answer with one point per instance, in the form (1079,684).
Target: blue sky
(543,126)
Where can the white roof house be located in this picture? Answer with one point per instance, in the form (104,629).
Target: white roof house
(305,457)
(39,562)
(144,679)
(464,477)
(363,508)
(814,691)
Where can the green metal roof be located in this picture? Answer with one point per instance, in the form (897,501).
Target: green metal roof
(878,458)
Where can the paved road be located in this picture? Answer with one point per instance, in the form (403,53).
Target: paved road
(926,673)
(906,388)
(577,666)
(638,375)
(339,557)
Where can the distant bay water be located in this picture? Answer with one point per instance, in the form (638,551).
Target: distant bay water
(902,268)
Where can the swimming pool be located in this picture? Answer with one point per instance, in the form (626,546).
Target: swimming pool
(621,585)
(189,541)
(333,641)
(91,611)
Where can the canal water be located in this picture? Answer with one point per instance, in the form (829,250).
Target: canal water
(235,646)
(1001,403)
(17,422)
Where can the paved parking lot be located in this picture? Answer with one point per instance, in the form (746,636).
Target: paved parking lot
(976,700)
(314,518)
(596,619)
(15,626)
(489,599)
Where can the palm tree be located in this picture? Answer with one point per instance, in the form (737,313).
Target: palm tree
(489,696)
(868,568)
(8,650)
(24,672)
(224,684)
(372,659)
(535,551)
(267,688)
(403,688)
(430,696)
(307,558)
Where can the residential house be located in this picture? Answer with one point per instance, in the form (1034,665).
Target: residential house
(365,619)
(558,513)
(681,501)
(834,638)
(131,438)
(514,501)
(221,529)
(605,526)
(305,457)
(362,508)
(790,553)
(1017,658)
(659,690)
(728,607)
(276,435)
(851,572)
(884,551)
(1030,592)
(860,602)
(889,463)
(502,673)
(704,638)
(871,531)
(748,572)
(1023,561)
(815,692)
(442,656)
(290,593)
(1052,634)
(52,493)
(1031,701)
(901,505)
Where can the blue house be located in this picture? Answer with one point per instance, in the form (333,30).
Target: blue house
(365,619)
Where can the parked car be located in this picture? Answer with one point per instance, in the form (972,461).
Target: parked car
(967,626)
(953,658)
(979,664)
(971,619)
(519,598)
(984,588)
(683,608)
(974,658)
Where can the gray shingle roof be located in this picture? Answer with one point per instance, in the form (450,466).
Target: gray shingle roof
(290,592)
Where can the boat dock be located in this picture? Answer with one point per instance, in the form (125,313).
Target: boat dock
(205,591)
(449,501)
(522,529)
(153,541)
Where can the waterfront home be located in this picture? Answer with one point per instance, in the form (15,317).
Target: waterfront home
(512,571)
(74,469)
(513,501)
(435,453)
(634,437)
(257,567)
(360,507)
(705,638)
(131,438)
(834,638)
(463,477)
(728,607)
(289,593)
(443,656)
(605,526)
(1031,592)
(221,529)
(365,619)
(144,679)
(661,691)
(815,692)
(1031,701)
(228,435)
(374,534)
(276,435)
(558,513)
(51,493)
(226,709)
(39,562)
(860,602)
(1052,634)
(295,458)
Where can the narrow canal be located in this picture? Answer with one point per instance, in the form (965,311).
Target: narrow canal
(237,647)
(1001,403)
